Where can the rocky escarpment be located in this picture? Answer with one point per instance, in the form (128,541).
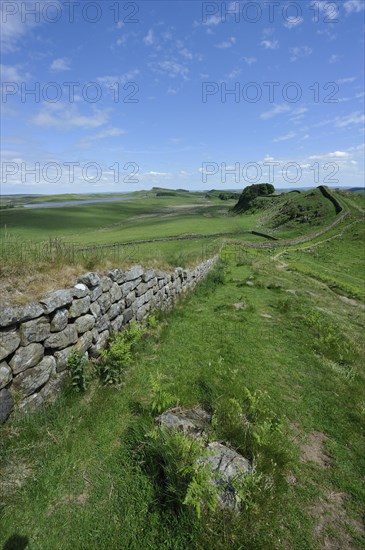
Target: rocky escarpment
(36,339)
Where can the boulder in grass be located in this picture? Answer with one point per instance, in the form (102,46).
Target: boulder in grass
(226,465)
(194,422)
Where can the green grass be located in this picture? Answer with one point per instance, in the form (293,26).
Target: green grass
(35,240)
(72,469)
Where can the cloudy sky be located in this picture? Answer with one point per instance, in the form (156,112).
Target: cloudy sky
(117,96)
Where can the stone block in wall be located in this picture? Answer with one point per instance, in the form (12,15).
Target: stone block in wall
(102,324)
(116,275)
(80,291)
(151,283)
(36,330)
(18,314)
(95,335)
(104,302)
(46,395)
(84,342)
(148,275)
(9,342)
(141,313)
(60,340)
(161,283)
(128,315)
(79,307)
(129,286)
(105,283)
(126,288)
(101,344)
(5,374)
(114,311)
(141,289)
(59,320)
(95,293)
(30,380)
(56,299)
(117,323)
(53,386)
(149,295)
(139,302)
(6,405)
(129,299)
(31,403)
(90,279)
(26,357)
(84,323)
(95,310)
(115,293)
(133,273)
(61,357)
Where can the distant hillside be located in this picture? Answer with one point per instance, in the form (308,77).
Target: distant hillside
(250,193)
(292,209)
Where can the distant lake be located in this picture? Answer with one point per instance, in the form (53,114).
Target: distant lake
(74,203)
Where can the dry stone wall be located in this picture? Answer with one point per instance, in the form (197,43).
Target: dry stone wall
(36,339)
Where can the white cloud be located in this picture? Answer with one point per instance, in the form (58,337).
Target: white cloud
(330,12)
(66,116)
(350,120)
(186,53)
(15,26)
(111,80)
(213,21)
(234,74)
(289,135)
(60,64)
(346,80)
(335,57)
(277,110)
(339,155)
(152,173)
(354,6)
(149,39)
(9,73)
(249,60)
(106,133)
(226,43)
(299,51)
(293,22)
(170,67)
(270,44)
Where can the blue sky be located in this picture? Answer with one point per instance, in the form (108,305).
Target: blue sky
(150,102)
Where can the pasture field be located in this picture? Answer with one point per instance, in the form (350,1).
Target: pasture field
(48,246)
(265,321)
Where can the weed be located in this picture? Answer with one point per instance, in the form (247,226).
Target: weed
(79,367)
(119,356)
(162,399)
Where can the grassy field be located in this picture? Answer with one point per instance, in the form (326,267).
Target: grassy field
(74,475)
